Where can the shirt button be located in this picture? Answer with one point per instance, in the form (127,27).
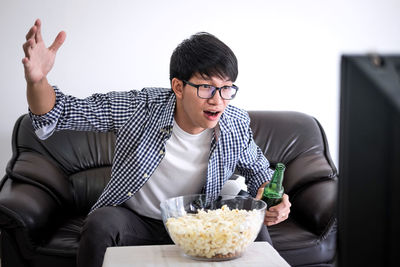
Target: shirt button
(130,194)
(162,152)
(145,175)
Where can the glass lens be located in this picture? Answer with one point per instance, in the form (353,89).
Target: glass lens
(206,91)
(228,92)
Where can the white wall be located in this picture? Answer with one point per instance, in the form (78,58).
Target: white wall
(288,51)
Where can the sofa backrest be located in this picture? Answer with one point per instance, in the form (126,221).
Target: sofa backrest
(297,140)
(72,166)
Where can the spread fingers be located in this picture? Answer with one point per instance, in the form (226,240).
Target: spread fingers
(31,33)
(30,44)
(38,35)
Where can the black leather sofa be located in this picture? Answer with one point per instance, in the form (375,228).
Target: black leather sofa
(50,186)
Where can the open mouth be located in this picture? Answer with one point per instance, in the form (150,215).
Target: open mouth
(211,114)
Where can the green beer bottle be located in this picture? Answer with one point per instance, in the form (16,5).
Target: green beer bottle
(273,191)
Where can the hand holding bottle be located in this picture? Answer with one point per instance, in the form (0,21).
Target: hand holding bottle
(277,213)
(278,205)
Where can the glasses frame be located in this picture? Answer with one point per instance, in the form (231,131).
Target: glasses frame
(197,86)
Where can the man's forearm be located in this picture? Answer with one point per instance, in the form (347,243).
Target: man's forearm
(41,97)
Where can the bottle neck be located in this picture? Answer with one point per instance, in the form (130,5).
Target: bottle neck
(277,178)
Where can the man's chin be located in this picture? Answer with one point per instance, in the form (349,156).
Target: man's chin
(211,124)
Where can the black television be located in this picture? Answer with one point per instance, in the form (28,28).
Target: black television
(369,161)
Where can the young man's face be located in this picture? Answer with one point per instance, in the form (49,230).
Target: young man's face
(194,114)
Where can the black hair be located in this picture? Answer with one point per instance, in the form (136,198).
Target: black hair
(205,54)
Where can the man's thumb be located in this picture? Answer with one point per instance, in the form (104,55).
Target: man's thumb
(58,41)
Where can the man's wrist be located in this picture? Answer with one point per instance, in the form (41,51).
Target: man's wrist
(41,97)
(43,84)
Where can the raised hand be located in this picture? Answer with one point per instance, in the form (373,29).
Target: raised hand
(39,59)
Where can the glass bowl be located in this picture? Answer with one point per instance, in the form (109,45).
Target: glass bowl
(213,230)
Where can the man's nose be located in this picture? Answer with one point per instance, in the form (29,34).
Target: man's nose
(216,99)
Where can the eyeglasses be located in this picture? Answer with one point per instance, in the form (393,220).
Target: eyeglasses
(207,91)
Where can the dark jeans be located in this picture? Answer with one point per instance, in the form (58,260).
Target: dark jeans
(120,226)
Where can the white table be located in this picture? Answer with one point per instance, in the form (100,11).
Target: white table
(257,254)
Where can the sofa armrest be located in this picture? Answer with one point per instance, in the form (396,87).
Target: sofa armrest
(35,169)
(314,207)
(311,183)
(26,210)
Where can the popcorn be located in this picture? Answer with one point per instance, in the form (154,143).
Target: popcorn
(219,233)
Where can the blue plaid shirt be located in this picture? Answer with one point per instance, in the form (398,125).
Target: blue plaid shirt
(143,121)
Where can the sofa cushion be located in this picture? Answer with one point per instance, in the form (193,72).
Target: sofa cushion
(64,241)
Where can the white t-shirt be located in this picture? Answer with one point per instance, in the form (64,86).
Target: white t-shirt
(182,171)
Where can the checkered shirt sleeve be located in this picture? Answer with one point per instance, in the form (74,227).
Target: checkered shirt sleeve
(99,112)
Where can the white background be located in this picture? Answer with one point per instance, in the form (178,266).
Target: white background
(288,51)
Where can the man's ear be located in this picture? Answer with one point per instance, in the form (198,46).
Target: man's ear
(177,87)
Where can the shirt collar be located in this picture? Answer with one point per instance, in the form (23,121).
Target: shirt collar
(225,122)
(167,117)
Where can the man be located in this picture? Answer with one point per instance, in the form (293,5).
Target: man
(169,142)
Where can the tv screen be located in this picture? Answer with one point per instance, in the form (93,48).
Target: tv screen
(369,161)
